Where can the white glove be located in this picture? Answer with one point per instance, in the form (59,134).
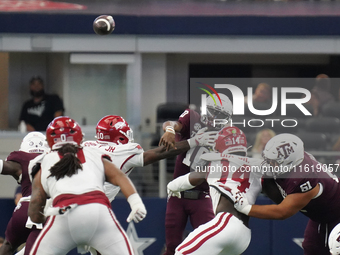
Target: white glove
(179,184)
(241,203)
(138,211)
(203,138)
(174,194)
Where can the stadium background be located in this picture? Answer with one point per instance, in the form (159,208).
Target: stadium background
(143,68)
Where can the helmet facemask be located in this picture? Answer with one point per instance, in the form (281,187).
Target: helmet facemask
(217,118)
(218,111)
(128,134)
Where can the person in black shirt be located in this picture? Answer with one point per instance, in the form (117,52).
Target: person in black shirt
(39,111)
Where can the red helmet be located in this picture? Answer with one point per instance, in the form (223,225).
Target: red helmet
(63,130)
(231,140)
(115,129)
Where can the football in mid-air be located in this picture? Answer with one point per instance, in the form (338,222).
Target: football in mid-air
(103,25)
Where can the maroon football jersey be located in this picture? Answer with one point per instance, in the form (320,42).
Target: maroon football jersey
(23,158)
(305,177)
(191,123)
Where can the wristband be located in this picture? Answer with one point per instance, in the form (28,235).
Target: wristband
(192,143)
(246,209)
(1,165)
(134,199)
(170,129)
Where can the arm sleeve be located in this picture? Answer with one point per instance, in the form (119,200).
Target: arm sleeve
(14,156)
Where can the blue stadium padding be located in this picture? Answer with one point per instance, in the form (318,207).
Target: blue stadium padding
(6,209)
(285,231)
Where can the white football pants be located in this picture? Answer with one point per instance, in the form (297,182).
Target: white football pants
(93,224)
(225,234)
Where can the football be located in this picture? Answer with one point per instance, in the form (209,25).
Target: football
(103,25)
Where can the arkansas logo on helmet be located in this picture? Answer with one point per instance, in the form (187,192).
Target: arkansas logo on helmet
(231,140)
(115,129)
(63,130)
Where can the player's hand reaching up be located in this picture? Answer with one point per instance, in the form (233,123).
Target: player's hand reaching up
(168,139)
(138,211)
(203,138)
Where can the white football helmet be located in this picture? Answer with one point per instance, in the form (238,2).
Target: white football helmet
(34,142)
(284,151)
(334,240)
(218,111)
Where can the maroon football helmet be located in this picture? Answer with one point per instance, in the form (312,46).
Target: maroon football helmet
(115,129)
(231,140)
(63,130)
